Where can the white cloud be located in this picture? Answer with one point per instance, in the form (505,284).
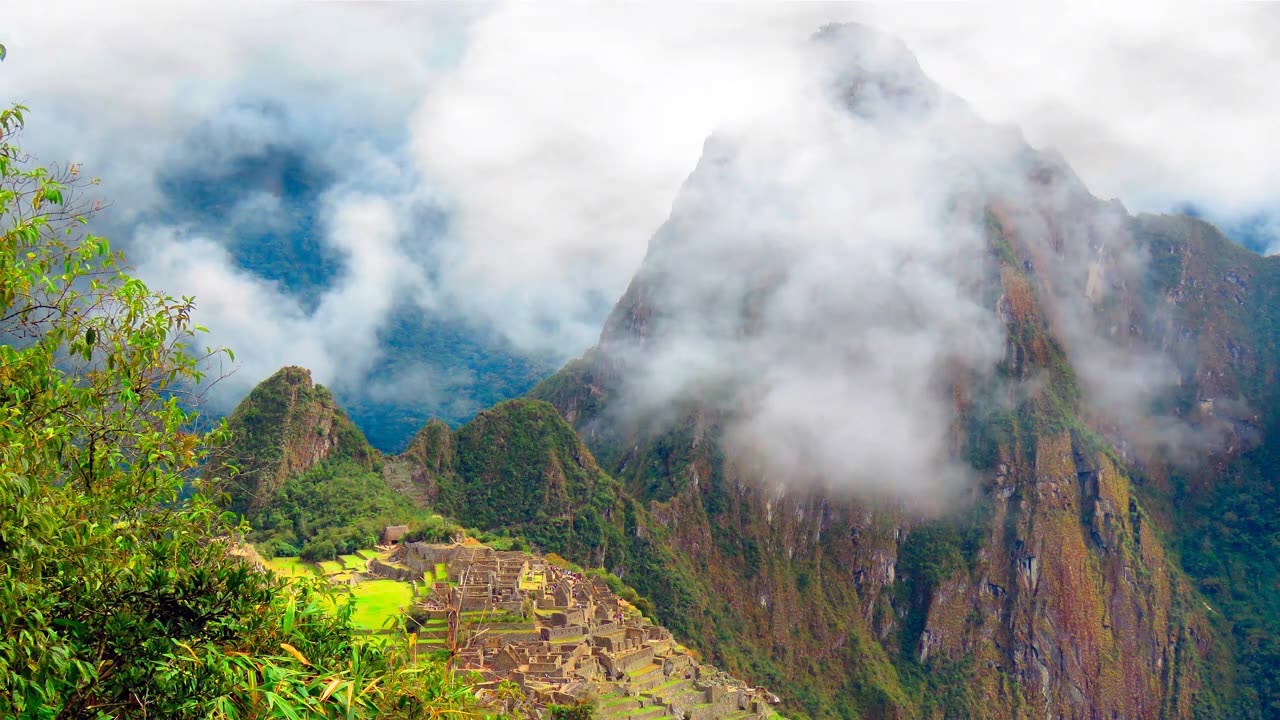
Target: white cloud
(559,134)
(268,328)
(1153,103)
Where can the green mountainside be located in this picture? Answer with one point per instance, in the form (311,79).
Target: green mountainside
(517,469)
(1089,575)
(284,427)
(1109,565)
(1106,563)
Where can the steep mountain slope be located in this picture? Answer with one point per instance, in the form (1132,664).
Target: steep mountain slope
(285,426)
(1222,514)
(519,468)
(1134,363)
(309,482)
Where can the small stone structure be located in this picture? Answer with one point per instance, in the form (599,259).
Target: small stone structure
(393,533)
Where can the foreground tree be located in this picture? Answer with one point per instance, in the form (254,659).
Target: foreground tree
(119,596)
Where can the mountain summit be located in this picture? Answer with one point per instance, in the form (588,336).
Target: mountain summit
(926,413)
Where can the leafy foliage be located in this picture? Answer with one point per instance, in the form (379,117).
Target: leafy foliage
(581,711)
(333,509)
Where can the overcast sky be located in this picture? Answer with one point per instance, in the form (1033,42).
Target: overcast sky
(554,136)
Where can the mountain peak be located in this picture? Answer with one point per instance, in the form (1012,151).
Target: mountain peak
(873,73)
(285,426)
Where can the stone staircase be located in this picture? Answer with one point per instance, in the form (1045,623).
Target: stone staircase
(645,677)
(679,695)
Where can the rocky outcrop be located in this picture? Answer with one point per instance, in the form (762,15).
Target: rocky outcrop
(286,426)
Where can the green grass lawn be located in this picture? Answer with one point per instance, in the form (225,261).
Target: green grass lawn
(329,567)
(367,554)
(442,572)
(377,600)
(290,567)
(354,562)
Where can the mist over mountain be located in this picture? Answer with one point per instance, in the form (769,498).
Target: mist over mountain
(509,209)
(895,416)
(399,364)
(882,343)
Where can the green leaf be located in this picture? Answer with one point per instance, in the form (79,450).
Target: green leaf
(281,704)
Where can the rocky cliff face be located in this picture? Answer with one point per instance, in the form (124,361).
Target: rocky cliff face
(1124,363)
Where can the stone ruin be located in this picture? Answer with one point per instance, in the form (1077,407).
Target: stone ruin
(563,637)
(392,534)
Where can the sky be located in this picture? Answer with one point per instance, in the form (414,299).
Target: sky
(507,164)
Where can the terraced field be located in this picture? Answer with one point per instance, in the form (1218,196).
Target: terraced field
(291,567)
(582,637)
(377,600)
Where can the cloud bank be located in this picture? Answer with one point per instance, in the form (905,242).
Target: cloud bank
(508,163)
(824,283)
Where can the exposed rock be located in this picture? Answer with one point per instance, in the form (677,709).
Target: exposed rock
(286,426)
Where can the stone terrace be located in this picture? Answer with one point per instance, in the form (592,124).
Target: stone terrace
(564,637)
